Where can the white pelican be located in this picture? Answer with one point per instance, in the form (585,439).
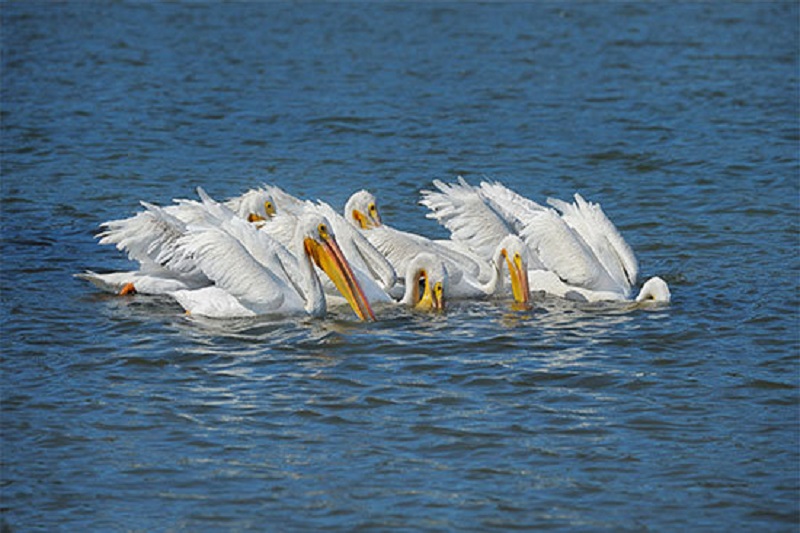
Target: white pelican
(575,250)
(253,274)
(283,210)
(374,273)
(469,276)
(150,238)
(425,283)
(361,252)
(255,205)
(262,203)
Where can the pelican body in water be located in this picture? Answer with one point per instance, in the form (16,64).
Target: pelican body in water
(575,250)
(215,263)
(255,275)
(469,276)
(425,282)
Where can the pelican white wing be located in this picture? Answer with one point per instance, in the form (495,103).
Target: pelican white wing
(471,220)
(260,288)
(150,237)
(515,209)
(589,221)
(577,246)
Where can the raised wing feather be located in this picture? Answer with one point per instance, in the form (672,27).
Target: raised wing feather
(563,251)
(150,237)
(516,210)
(600,234)
(470,219)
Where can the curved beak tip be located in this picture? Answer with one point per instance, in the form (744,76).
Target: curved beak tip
(332,261)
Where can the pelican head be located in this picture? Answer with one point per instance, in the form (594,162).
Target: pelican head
(426,279)
(515,253)
(362,210)
(319,244)
(268,209)
(255,205)
(654,290)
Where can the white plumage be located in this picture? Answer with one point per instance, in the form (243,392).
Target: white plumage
(469,276)
(254,274)
(374,273)
(216,264)
(575,250)
(243,285)
(215,261)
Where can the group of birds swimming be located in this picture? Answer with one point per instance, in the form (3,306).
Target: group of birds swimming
(267,252)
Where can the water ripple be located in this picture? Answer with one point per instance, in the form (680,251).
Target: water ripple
(567,416)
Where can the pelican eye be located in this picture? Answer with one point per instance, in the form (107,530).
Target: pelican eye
(372,209)
(438,289)
(322,229)
(269,208)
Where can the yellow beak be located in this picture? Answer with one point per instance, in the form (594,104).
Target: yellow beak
(519,279)
(328,256)
(432,298)
(366,221)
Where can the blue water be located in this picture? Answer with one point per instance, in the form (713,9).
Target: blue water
(122,414)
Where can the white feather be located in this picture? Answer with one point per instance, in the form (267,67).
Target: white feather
(470,219)
(589,221)
(226,261)
(577,251)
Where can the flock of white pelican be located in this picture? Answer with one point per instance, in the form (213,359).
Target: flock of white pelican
(267,252)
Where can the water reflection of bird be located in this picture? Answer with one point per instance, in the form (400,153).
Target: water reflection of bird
(575,250)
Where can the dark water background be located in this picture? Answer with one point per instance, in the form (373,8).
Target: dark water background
(120,414)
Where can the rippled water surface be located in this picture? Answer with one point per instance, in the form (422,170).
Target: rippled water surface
(122,414)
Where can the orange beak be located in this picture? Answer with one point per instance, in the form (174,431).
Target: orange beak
(329,257)
(519,279)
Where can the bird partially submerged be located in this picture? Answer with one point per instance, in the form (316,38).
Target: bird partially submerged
(470,276)
(425,283)
(575,250)
(215,263)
